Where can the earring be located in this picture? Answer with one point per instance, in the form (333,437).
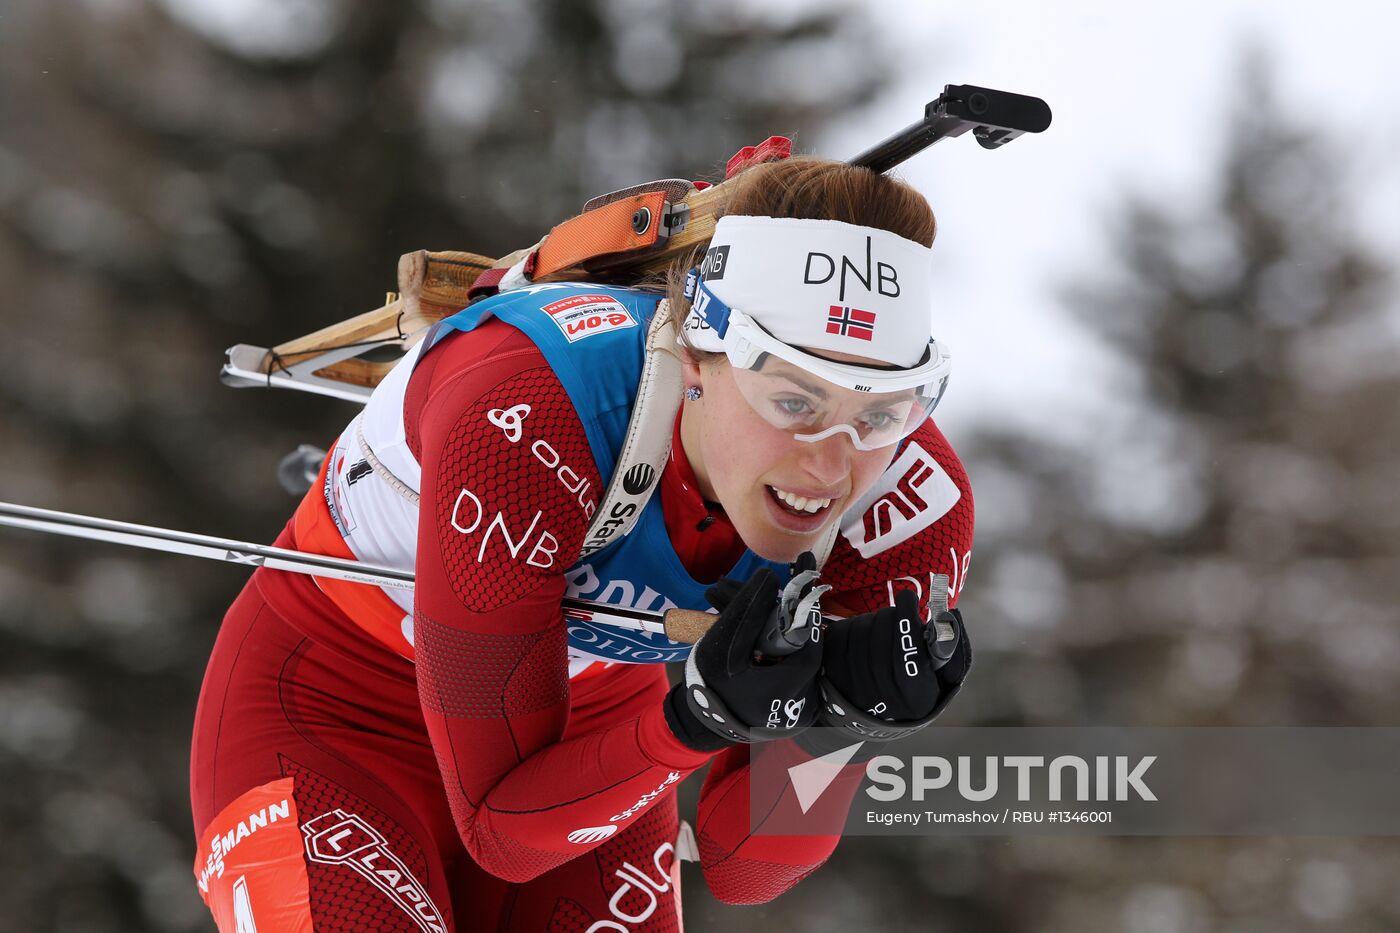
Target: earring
(692,393)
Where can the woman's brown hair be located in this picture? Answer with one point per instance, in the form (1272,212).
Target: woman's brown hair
(817,189)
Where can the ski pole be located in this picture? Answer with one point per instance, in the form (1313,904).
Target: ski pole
(680,625)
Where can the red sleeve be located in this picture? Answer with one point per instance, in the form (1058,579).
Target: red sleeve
(502,515)
(919,524)
(745,864)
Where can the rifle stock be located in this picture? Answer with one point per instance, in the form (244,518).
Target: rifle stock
(646,228)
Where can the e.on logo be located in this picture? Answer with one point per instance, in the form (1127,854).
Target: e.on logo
(911,495)
(580,316)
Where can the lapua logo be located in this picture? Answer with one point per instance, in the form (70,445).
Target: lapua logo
(348,840)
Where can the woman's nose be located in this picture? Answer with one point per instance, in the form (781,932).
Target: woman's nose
(828,461)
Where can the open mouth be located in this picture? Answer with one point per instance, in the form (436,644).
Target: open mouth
(794,504)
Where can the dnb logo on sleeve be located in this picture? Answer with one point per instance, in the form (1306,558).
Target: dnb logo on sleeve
(580,316)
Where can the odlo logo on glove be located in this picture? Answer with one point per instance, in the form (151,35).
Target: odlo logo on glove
(791,709)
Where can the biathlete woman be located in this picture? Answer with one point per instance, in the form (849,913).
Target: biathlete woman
(465,758)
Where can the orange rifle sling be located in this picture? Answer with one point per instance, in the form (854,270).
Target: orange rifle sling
(600,232)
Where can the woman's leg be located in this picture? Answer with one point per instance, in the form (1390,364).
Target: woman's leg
(315,795)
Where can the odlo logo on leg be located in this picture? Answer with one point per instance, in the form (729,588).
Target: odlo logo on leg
(639,891)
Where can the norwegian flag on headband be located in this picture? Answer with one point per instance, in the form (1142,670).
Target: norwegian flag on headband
(851,322)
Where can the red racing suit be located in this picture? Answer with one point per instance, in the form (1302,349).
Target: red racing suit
(338,784)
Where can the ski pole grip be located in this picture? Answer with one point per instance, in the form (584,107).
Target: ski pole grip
(687,625)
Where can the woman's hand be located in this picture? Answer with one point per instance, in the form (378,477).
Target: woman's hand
(887,674)
(732,693)
(883,662)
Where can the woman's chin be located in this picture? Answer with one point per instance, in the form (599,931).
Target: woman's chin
(780,546)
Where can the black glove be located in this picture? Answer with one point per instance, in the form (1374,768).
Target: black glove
(887,675)
(732,693)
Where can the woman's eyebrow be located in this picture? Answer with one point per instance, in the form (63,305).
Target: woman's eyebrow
(805,386)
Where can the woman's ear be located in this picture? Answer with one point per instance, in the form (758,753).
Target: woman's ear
(690,369)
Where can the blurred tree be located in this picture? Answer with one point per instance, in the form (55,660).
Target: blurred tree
(178,176)
(1222,544)
(1221,553)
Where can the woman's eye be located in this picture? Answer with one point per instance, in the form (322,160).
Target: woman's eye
(792,407)
(879,420)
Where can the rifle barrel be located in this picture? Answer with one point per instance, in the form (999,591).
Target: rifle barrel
(995,117)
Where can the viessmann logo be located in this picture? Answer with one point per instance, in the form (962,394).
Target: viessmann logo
(224,843)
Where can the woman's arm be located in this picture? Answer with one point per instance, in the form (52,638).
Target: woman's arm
(926,489)
(498,525)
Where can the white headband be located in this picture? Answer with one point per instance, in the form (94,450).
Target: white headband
(821,284)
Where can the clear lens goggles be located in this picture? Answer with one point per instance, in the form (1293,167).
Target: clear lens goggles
(816,398)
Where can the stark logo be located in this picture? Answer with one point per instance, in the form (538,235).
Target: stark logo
(580,316)
(591,834)
(911,495)
(340,838)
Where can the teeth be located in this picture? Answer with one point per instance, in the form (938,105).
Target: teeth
(800,503)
